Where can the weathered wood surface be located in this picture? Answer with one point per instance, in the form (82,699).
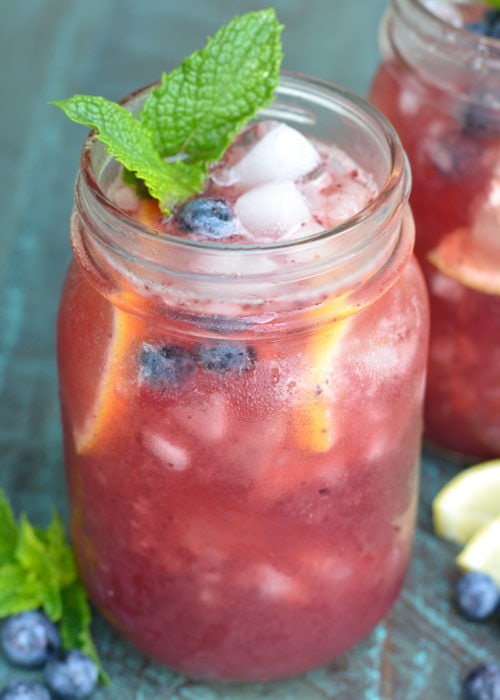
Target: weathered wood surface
(50,49)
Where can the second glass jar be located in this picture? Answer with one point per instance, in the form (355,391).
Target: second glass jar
(439,84)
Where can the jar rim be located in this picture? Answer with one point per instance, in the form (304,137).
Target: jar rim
(471,50)
(395,187)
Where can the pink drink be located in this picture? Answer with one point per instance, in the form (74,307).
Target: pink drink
(243,418)
(440,86)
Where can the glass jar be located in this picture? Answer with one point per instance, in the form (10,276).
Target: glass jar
(242,423)
(439,84)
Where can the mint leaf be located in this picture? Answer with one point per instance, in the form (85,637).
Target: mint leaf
(131,143)
(201,105)
(189,120)
(8,531)
(49,560)
(75,624)
(19,590)
(59,552)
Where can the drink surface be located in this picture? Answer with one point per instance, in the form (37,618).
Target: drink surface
(449,125)
(243,485)
(273,184)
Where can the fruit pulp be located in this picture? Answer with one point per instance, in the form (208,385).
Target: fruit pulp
(454,200)
(243,488)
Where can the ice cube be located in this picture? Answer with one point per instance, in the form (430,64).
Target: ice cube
(173,456)
(273,583)
(409,101)
(208,420)
(339,163)
(446,287)
(282,153)
(342,199)
(325,566)
(273,211)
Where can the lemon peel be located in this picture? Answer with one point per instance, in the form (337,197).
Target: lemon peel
(110,396)
(482,552)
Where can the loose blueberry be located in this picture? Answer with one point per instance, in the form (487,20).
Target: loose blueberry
(165,364)
(477,595)
(483,683)
(209,217)
(25,690)
(224,357)
(71,677)
(29,639)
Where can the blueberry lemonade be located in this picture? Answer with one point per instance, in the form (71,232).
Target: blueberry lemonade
(242,351)
(440,86)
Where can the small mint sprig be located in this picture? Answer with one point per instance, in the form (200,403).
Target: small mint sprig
(37,570)
(189,120)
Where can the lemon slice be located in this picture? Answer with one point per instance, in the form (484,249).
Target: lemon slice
(111,394)
(462,258)
(148,212)
(482,552)
(467,502)
(313,419)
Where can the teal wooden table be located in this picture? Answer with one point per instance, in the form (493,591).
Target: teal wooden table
(50,49)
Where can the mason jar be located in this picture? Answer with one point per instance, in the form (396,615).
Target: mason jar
(242,422)
(439,84)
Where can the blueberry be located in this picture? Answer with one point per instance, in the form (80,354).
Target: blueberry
(483,683)
(165,364)
(477,595)
(71,677)
(25,690)
(29,639)
(487,25)
(480,117)
(454,153)
(209,217)
(223,357)
(492,20)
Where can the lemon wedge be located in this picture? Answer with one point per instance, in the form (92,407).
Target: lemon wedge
(314,422)
(468,502)
(462,258)
(111,394)
(482,552)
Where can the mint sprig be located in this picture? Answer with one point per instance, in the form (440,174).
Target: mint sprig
(189,120)
(201,105)
(37,570)
(131,143)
